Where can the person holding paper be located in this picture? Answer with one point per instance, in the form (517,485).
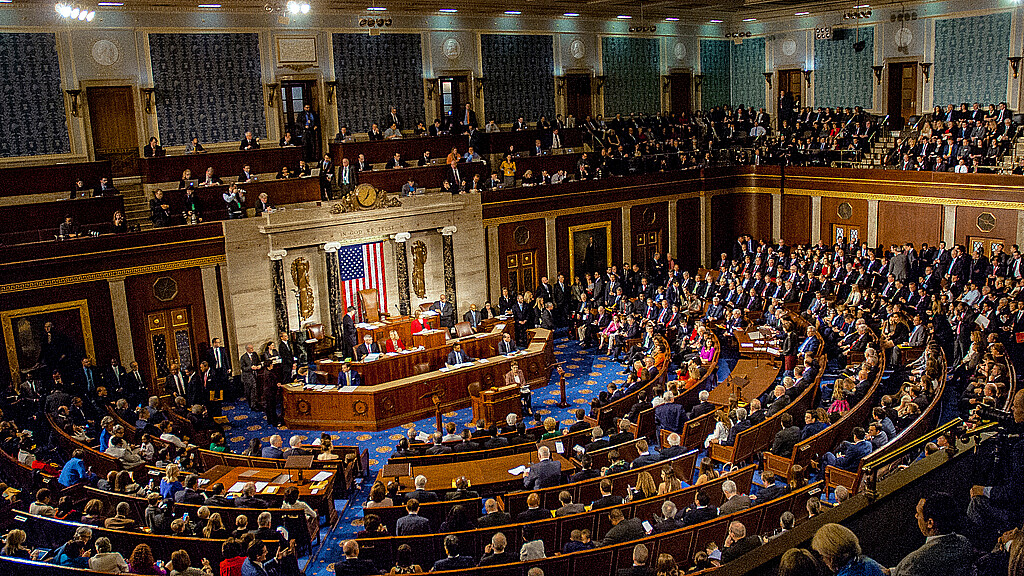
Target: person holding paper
(348,376)
(394,343)
(517,377)
(366,348)
(457,357)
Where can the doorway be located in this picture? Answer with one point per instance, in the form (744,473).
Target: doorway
(645,246)
(843,234)
(522,271)
(791,81)
(680,99)
(902,94)
(170,342)
(115,136)
(454,95)
(295,94)
(578,96)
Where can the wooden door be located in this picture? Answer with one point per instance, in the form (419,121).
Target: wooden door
(680,92)
(170,341)
(645,246)
(522,271)
(791,81)
(985,244)
(114,133)
(902,93)
(843,234)
(578,96)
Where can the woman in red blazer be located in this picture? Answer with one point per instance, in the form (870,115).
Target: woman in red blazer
(394,343)
(419,323)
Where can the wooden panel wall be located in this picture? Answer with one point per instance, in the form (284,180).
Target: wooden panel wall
(562,224)
(796,219)
(141,301)
(967,224)
(900,222)
(830,216)
(687,253)
(736,214)
(648,218)
(507,243)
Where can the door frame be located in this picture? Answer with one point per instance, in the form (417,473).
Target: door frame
(667,89)
(861,232)
(145,123)
(275,121)
(475,99)
(562,100)
(918,80)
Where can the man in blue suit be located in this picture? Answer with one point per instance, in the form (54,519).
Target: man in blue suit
(669,416)
(715,311)
(810,343)
(849,458)
(647,455)
(545,473)
(457,356)
(348,376)
(741,424)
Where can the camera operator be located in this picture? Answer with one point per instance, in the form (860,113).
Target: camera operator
(997,508)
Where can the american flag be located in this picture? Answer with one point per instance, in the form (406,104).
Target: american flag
(362,267)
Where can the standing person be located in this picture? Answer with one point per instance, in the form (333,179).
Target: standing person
(350,336)
(252,366)
(309,121)
(517,377)
(220,368)
(270,378)
(326,178)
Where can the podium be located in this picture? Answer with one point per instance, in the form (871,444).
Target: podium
(493,405)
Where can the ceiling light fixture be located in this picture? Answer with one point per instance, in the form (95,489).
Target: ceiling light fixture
(70,12)
(623,16)
(571,14)
(513,12)
(862,6)
(750,19)
(297,7)
(376,9)
(209,5)
(715,21)
(447,10)
(801,14)
(671,19)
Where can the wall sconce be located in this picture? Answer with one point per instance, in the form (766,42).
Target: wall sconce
(666,84)
(478,85)
(147,99)
(878,73)
(73,96)
(926,68)
(331,86)
(271,90)
(1014,64)
(430,87)
(698,79)
(768,78)
(807,76)
(599,80)
(560,84)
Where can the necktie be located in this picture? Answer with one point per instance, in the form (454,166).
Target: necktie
(88,379)
(217,355)
(181,385)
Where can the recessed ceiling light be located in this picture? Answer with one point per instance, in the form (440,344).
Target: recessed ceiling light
(513,12)
(376,9)
(100,3)
(623,16)
(801,13)
(863,6)
(715,21)
(447,10)
(750,19)
(209,5)
(6,1)
(571,14)
(671,19)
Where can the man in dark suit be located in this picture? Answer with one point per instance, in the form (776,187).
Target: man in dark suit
(421,494)
(772,489)
(467,444)
(250,364)
(309,122)
(669,415)
(703,407)
(741,424)
(639,567)
(189,495)
(473,316)
(453,560)
(453,177)
(786,438)
(533,510)
(86,378)
(523,316)
(495,441)
(622,530)
(396,161)
(393,117)
(848,458)
(545,473)
(607,500)
(220,364)
(375,133)
(326,178)
(737,543)
(216,497)
(412,523)
(457,356)
(348,377)
(249,142)
(597,441)
(647,455)
(247,175)
(701,511)
(347,177)
(350,336)
(366,348)
(494,516)
(362,164)
(176,383)
(445,311)
(506,346)
(352,565)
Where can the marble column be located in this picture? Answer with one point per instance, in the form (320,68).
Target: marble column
(334,286)
(402,267)
(673,228)
(211,298)
(815,219)
(777,217)
(280,292)
(627,236)
(493,264)
(872,223)
(122,324)
(448,256)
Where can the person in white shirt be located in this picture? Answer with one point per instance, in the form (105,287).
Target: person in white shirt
(961,167)
(105,560)
(291,501)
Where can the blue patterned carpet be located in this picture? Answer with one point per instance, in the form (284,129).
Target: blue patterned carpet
(586,375)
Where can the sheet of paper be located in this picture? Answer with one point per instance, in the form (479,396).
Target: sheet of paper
(754,335)
(348,388)
(248,473)
(320,477)
(483,360)
(423,437)
(237,487)
(261,485)
(444,369)
(517,470)
(271,490)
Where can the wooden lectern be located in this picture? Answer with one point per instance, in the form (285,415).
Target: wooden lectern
(493,405)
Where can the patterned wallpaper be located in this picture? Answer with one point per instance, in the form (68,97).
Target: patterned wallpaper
(207,85)
(748,83)
(970,59)
(843,77)
(375,73)
(633,71)
(714,64)
(33,120)
(520,73)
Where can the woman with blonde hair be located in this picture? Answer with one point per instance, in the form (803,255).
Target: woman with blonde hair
(550,428)
(645,487)
(215,528)
(839,549)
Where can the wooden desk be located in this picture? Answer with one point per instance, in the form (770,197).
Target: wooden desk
(397,366)
(382,406)
(379,330)
(760,375)
(410,149)
(40,221)
(487,476)
(23,180)
(264,160)
(494,404)
(279,192)
(431,176)
(319,496)
(522,140)
(750,348)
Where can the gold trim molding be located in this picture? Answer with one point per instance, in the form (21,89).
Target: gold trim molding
(119,274)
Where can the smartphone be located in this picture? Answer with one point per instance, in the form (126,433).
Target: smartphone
(647,526)
(185,517)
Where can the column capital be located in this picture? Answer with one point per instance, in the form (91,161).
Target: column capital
(401,237)
(332,246)
(449,230)
(277,254)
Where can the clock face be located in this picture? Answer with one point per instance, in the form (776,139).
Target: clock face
(366,196)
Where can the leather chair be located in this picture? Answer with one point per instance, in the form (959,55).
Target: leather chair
(474,389)
(425,307)
(370,301)
(318,340)
(421,368)
(463,329)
